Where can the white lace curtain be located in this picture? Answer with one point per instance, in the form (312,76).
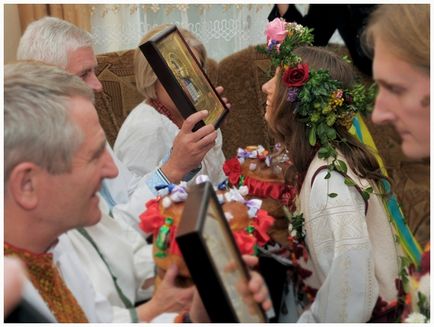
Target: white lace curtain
(223,28)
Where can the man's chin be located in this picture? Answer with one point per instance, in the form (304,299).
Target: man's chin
(414,151)
(94,218)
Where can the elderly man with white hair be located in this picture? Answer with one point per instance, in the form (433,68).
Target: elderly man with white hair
(117,258)
(57,42)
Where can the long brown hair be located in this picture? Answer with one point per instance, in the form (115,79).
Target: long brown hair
(293,134)
(405,28)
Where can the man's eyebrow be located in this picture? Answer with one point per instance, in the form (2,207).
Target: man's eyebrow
(87,70)
(99,151)
(84,71)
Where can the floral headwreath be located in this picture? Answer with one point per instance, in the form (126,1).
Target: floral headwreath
(322,103)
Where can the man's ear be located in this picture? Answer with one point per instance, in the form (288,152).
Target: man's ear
(22,184)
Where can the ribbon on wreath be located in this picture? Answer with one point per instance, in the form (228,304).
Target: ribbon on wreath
(406,238)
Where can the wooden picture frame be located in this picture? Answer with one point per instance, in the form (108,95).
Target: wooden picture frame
(214,260)
(182,76)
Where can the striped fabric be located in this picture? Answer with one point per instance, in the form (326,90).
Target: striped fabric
(406,238)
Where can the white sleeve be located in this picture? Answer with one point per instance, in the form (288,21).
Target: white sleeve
(164,318)
(94,304)
(128,254)
(343,252)
(144,139)
(212,163)
(125,195)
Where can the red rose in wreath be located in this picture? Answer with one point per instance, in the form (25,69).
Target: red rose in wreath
(296,76)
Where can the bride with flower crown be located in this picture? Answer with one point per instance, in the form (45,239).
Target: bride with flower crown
(346,245)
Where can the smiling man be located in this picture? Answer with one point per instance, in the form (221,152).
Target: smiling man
(55,161)
(60,43)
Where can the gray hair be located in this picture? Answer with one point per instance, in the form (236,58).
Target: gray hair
(49,40)
(37,123)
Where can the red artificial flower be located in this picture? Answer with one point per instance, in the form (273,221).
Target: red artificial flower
(425,262)
(173,245)
(296,76)
(264,189)
(246,242)
(288,197)
(232,169)
(303,273)
(151,219)
(262,223)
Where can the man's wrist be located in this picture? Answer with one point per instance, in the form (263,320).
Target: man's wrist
(172,175)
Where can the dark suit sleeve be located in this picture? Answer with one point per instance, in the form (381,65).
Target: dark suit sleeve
(291,15)
(323,18)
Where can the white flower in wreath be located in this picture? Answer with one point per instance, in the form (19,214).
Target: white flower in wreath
(416,317)
(424,285)
(419,285)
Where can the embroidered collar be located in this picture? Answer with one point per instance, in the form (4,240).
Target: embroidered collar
(46,278)
(162,109)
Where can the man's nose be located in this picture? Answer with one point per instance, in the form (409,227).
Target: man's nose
(94,83)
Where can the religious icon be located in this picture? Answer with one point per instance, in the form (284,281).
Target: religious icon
(183,77)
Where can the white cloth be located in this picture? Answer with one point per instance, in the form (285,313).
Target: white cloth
(146,137)
(78,280)
(128,255)
(352,255)
(128,193)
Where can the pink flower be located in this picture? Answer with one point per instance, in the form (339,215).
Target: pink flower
(276,30)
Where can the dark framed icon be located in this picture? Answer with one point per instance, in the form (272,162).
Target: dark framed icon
(26,312)
(214,261)
(182,76)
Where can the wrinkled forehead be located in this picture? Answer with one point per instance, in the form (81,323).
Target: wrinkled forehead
(80,59)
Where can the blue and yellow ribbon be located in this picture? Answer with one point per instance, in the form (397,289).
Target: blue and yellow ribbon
(405,237)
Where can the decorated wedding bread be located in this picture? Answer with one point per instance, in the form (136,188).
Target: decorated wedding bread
(249,225)
(263,175)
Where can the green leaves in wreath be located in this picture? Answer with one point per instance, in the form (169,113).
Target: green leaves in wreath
(366,193)
(363,98)
(327,151)
(323,103)
(403,272)
(423,304)
(340,166)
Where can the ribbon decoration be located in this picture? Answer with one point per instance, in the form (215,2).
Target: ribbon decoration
(202,179)
(253,206)
(406,238)
(178,194)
